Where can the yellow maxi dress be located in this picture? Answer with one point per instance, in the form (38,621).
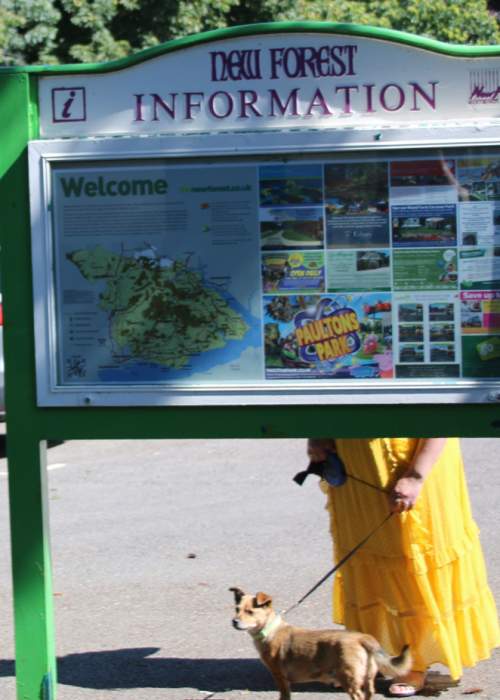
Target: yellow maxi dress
(421,579)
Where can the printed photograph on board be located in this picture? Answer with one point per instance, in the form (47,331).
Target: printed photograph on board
(441,332)
(328,336)
(291,228)
(423,182)
(442,352)
(411,332)
(356,203)
(424,226)
(422,173)
(479,179)
(410,312)
(291,185)
(411,353)
(441,311)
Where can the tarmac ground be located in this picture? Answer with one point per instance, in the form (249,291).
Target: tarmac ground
(147,538)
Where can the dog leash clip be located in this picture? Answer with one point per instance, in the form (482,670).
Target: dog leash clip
(332,470)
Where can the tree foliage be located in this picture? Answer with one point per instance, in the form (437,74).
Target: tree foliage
(66,31)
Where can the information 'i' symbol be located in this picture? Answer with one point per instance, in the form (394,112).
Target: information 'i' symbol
(66,113)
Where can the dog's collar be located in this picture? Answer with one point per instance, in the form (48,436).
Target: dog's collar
(271,627)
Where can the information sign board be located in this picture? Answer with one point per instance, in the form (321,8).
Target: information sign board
(179,282)
(272,81)
(305,220)
(270,231)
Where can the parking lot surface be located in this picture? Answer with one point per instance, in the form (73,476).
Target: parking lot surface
(147,537)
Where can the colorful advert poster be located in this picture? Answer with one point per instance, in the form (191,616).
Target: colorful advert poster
(423,182)
(356,199)
(299,272)
(425,269)
(328,336)
(480,320)
(480,312)
(479,195)
(479,179)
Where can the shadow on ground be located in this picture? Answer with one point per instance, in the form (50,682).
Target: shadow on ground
(138,668)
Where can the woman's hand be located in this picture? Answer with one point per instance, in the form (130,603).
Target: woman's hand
(406,490)
(404,494)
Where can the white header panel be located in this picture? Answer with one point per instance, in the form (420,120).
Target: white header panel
(280,81)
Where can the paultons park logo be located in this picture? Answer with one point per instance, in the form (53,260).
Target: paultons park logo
(484,86)
(327,332)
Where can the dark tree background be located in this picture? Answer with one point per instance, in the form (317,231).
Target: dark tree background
(69,31)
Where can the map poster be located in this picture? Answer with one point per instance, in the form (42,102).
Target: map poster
(157,274)
(328,336)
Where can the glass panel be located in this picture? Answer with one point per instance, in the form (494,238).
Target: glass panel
(379,267)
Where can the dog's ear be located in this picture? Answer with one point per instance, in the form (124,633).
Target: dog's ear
(262,599)
(238,594)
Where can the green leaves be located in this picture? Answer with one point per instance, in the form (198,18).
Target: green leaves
(65,31)
(28,30)
(453,21)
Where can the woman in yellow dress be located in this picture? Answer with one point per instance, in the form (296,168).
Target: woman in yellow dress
(421,579)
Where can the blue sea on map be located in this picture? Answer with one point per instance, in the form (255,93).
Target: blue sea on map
(137,371)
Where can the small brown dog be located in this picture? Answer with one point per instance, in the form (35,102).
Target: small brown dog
(294,655)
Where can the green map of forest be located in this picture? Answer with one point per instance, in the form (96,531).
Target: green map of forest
(158,312)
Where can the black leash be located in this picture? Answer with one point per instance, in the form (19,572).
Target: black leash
(333,471)
(339,564)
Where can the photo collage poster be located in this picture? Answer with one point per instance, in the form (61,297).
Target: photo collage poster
(381,269)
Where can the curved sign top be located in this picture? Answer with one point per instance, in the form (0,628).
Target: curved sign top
(278,80)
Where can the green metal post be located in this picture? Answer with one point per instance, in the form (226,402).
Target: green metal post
(31,569)
(33,610)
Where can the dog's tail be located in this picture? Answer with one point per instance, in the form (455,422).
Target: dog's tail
(393,665)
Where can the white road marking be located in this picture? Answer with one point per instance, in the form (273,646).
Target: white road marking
(50,468)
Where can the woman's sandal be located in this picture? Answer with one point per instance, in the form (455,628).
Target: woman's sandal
(408,685)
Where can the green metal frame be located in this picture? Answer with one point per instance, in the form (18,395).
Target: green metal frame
(29,427)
